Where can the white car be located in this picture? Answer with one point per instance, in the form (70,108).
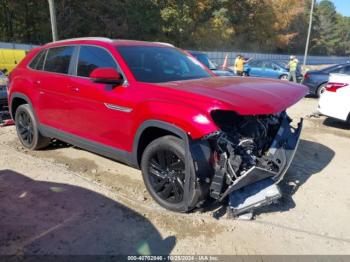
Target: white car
(334,101)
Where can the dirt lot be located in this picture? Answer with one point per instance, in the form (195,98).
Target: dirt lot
(64,200)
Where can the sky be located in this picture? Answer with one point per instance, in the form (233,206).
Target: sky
(342,6)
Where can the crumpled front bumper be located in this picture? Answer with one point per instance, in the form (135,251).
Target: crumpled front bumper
(281,153)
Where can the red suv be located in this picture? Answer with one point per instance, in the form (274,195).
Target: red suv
(155,107)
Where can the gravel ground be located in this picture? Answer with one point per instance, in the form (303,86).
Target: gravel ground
(64,200)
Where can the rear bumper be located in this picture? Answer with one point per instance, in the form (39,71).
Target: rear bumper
(310,85)
(281,153)
(332,105)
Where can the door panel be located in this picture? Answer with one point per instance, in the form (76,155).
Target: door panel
(102,113)
(269,71)
(255,68)
(99,112)
(53,86)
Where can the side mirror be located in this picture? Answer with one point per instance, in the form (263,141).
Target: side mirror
(106,75)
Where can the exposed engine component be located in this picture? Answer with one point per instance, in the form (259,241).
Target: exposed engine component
(241,145)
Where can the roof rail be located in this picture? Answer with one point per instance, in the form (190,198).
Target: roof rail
(164,43)
(104,39)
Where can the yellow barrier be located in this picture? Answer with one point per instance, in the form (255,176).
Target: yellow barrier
(9,58)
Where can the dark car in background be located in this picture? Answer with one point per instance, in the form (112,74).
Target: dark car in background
(204,59)
(3,91)
(269,69)
(316,80)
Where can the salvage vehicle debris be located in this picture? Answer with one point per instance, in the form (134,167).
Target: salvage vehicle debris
(248,150)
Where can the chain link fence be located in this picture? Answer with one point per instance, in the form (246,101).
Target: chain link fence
(219,57)
(6,45)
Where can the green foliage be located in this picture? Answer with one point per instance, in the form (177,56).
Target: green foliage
(246,25)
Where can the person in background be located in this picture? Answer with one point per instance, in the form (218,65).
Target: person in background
(293,65)
(235,63)
(239,64)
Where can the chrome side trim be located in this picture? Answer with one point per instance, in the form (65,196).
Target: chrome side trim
(118,108)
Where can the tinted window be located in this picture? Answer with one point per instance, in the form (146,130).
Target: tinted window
(38,61)
(154,64)
(58,59)
(332,69)
(346,70)
(256,63)
(91,57)
(335,70)
(204,59)
(268,65)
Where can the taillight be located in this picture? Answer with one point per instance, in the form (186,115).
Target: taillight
(333,87)
(306,76)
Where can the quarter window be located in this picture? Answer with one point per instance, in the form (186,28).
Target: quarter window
(91,57)
(58,59)
(38,61)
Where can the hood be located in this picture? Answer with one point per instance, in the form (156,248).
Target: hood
(246,96)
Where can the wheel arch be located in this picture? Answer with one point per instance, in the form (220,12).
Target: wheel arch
(319,86)
(149,131)
(16,100)
(283,74)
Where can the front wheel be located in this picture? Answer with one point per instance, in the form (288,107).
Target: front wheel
(163,168)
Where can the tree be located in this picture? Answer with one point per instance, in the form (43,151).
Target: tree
(244,25)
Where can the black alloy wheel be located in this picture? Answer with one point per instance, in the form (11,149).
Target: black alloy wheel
(164,173)
(167,172)
(25,128)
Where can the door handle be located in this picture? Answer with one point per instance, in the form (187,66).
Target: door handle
(74,89)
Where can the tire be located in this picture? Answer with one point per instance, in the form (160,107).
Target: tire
(283,77)
(321,89)
(163,172)
(27,129)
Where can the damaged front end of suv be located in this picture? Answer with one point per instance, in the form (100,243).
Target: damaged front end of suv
(250,155)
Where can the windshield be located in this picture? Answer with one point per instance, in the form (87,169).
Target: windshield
(152,64)
(282,64)
(204,59)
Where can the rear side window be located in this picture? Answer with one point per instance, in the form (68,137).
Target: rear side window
(91,57)
(38,61)
(334,69)
(268,65)
(256,63)
(58,59)
(346,70)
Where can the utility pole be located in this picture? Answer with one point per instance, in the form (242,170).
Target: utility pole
(53,20)
(309,32)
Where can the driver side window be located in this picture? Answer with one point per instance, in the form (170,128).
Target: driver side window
(92,57)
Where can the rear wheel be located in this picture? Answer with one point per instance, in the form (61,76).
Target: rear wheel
(284,77)
(27,129)
(163,169)
(321,89)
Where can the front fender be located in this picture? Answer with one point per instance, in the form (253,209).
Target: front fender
(194,122)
